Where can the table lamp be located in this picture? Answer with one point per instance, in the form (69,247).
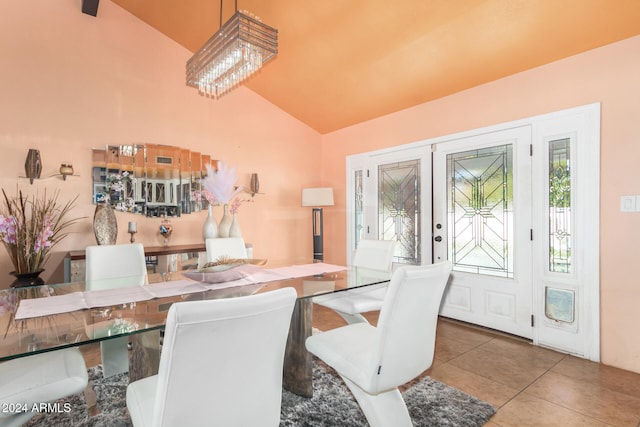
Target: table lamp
(317,197)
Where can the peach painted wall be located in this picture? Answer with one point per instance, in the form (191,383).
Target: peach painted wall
(70,82)
(609,75)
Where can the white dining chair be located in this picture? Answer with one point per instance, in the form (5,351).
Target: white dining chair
(374,361)
(110,267)
(371,257)
(221,364)
(38,379)
(231,247)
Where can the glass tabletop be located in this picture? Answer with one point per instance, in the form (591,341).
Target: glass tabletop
(76,327)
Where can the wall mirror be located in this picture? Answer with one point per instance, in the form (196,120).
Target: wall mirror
(150,179)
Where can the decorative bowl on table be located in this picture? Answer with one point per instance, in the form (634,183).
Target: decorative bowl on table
(225,271)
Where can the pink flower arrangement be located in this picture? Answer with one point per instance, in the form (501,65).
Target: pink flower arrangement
(31,227)
(235,205)
(210,197)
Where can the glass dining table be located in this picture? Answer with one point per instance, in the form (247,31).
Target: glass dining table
(67,315)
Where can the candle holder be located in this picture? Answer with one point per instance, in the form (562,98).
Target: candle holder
(132,230)
(66,169)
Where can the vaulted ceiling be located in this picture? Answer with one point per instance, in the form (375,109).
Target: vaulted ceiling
(341,62)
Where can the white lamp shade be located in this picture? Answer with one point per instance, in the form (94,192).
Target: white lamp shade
(317,196)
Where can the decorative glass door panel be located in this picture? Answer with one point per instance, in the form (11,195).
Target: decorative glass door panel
(399,208)
(559,206)
(480,210)
(358,212)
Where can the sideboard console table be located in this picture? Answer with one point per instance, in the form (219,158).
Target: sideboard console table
(160,259)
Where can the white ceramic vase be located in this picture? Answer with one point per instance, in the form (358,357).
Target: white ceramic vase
(225,222)
(210,228)
(234,230)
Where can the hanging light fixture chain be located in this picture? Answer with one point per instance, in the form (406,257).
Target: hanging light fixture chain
(220,26)
(236,9)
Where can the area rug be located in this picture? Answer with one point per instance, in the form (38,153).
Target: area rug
(430,403)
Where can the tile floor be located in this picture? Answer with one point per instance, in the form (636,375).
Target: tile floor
(529,386)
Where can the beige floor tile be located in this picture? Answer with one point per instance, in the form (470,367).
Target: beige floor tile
(607,376)
(529,411)
(513,370)
(524,351)
(91,354)
(476,385)
(448,348)
(589,398)
(469,335)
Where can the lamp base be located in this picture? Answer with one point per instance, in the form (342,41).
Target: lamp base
(318,252)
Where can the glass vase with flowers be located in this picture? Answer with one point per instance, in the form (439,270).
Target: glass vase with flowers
(30,226)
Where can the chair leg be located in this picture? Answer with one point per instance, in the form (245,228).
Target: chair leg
(382,410)
(352,318)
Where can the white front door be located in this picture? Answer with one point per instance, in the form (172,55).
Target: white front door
(482,224)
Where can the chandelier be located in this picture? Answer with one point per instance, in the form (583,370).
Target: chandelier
(239,49)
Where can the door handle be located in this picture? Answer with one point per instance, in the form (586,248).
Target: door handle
(438,239)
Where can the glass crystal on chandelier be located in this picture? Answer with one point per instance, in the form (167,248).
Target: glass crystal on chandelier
(239,49)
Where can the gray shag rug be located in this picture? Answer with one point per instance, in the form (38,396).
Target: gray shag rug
(430,403)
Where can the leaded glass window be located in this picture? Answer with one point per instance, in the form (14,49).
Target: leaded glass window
(358,211)
(399,208)
(560,206)
(480,210)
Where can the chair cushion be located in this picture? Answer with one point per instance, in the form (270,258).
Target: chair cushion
(348,350)
(141,396)
(360,300)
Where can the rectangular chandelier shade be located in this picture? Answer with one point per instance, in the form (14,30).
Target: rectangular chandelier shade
(239,49)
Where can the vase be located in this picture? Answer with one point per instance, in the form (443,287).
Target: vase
(210,228)
(166,229)
(225,222)
(234,230)
(31,278)
(254,186)
(105,224)
(33,165)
